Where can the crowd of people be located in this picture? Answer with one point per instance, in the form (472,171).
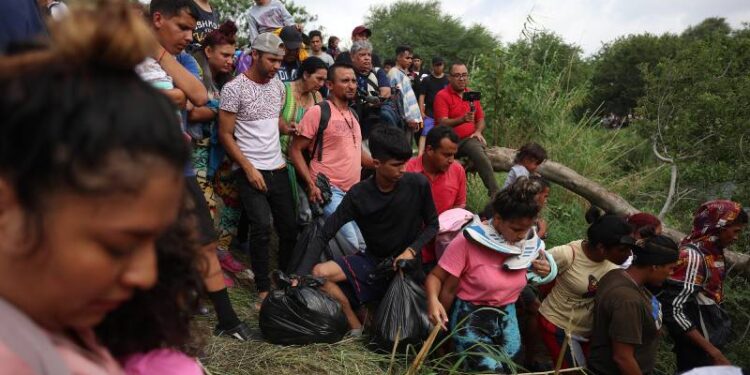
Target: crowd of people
(141,147)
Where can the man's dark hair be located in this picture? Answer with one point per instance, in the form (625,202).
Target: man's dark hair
(171,8)
(390,62)
(315,33)
(336,66)
(416,57)
(402,49)
(389,143)
(436,135)
(532,151)
(456,63)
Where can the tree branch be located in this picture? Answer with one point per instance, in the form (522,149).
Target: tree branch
(502,160)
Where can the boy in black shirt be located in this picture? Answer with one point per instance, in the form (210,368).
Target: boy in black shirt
(396,215)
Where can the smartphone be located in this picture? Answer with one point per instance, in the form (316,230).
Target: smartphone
(472,96)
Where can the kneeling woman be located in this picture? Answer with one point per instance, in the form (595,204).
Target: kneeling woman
(627,317)
(487,290)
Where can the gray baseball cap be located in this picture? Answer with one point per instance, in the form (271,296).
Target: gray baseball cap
(269,42)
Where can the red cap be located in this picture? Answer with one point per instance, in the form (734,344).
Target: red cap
(361,29)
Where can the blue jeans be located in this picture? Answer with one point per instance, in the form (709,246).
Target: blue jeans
(349,231)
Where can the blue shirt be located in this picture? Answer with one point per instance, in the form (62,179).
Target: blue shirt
(189,63)
(20,21)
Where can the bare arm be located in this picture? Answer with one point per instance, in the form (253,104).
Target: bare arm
(623,355)
(183,80)
(480,126)
(716,355)
(421,105)
(367,161)
(288,128)
(448,292)
(201,114)
(453,122)
(177,97)
(433,286)
(300,143)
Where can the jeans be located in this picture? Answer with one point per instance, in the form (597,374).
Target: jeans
(474,150)
(350,230)
(278,202)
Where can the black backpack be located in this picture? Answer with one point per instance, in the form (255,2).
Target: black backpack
(325,117)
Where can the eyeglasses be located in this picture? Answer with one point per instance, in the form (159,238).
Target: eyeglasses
(460,76)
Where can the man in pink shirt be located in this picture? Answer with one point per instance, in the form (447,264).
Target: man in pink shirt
(447,178)
(342,154)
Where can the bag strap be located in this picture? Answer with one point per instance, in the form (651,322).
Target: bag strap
(373,83)
(325,117)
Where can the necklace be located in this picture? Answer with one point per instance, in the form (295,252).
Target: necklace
(349,124)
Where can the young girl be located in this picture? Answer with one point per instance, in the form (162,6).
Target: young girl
(528,158)
(84,192)
(567,310)
(477,265)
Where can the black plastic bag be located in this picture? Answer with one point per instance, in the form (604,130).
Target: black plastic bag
(302,314)
(402,312)
(307,253)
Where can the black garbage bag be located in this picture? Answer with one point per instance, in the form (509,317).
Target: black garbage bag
(301,314)
(307,253)
(402,312)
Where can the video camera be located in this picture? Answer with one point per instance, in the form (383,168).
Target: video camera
(368,99)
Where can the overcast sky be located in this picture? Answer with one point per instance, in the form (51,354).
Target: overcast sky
(586,23)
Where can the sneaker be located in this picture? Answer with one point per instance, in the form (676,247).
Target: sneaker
(357,332)
(241,332)
(484,234)
(228,263)
(531,248)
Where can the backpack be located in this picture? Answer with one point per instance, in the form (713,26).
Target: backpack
(391,111)
(325,117)
(452,222)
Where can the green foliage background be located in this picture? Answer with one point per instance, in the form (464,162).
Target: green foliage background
(425,27)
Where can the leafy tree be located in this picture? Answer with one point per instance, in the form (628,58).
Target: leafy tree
(423,25)
(617,79)
(543,52)
(697,105)
(710,28)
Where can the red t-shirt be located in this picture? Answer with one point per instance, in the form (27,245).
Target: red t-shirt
(448,103)
(448,191)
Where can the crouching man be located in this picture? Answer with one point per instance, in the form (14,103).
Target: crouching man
(396,215)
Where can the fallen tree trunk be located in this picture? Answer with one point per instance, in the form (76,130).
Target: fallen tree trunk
(597,195)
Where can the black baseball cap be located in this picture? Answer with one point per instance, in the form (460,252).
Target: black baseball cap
(291,36)
(611,230)
(437,60)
